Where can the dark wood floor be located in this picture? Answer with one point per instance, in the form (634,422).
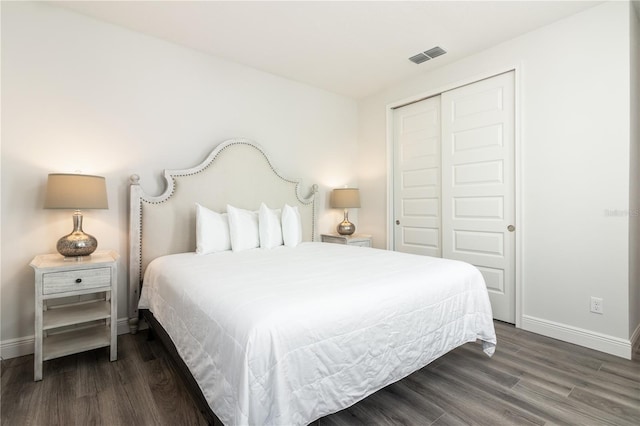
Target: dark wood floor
(530,380)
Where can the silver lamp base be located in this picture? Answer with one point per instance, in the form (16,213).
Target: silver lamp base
(345,227)
(77,243)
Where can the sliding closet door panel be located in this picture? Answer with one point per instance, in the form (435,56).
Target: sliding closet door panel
(417,178)
(478,188)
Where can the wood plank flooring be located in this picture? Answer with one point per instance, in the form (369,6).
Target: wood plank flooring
(531,380)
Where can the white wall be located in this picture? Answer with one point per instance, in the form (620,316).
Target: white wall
(574,120)
(78,94)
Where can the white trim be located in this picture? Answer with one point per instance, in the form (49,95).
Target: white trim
(519,195)
(124,328)
(13,348)
(390,195)
(518,161)
(447,87)
(635,339)
(579,336)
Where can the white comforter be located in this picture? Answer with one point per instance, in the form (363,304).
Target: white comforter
(288,335)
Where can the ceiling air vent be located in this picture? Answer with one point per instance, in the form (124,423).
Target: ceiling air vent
(428,54)
(419,58)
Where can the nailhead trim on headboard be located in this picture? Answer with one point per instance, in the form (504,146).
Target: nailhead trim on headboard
(138,197)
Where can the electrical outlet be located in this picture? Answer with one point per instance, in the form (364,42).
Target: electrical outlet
(596,305)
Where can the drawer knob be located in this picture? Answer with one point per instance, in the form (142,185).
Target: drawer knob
(78,280)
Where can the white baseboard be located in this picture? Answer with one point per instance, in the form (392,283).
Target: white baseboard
(12,348)
(579,336)
(635,339)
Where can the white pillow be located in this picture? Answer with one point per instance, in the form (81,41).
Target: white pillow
(212,231)
(243,229)
(291,226)
(270,228)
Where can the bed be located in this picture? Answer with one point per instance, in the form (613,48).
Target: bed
(297,331)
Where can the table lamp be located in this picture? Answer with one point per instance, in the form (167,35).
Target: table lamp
(345,198)
(75,191)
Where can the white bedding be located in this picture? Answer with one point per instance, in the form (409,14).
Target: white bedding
(287,335)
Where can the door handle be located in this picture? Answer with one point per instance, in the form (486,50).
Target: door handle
(397,222)
(511,228)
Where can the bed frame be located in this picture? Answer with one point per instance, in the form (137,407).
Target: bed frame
(157,331)
(237,172)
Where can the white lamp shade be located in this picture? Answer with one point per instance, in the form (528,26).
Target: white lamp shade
(345,198)
(73,191)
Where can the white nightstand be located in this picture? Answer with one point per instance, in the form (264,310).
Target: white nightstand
(361,240)
(81,322)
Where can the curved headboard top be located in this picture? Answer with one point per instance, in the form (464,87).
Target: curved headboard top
(237,172)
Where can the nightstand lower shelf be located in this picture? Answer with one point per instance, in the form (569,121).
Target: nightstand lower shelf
(62,344)
(76,314)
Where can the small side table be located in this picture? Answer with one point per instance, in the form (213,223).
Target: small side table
(83,323)
(361,240)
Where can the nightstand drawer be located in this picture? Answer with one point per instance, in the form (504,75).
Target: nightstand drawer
(358,240)
(59,282)
(363,243)
(334,240)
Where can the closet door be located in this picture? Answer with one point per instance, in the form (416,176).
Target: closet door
(417,178)
(478,191)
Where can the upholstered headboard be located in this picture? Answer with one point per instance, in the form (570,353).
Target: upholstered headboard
(237,172)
